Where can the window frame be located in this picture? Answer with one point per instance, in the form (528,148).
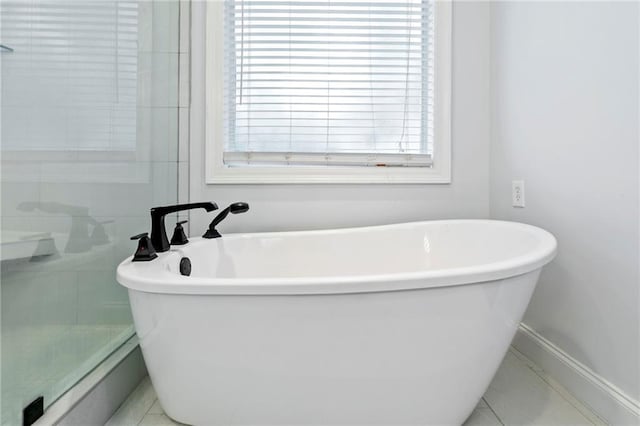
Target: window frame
(216,172)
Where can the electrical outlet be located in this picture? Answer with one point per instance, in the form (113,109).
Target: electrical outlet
(517,193)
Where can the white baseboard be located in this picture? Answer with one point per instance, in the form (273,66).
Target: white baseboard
(603,397)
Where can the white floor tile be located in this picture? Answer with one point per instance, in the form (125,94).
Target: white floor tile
(593,418)
(482,417)
(520,397)
(156,408)
(157,420)
(132,411)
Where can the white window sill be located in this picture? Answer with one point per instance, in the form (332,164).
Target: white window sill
(326,175)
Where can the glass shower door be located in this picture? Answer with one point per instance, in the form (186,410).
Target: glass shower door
(88,119)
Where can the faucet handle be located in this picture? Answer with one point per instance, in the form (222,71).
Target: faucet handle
(145,251)
(179,238)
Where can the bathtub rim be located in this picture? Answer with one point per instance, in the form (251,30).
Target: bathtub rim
(155,277)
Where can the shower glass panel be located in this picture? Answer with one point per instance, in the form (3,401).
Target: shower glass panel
(89,142)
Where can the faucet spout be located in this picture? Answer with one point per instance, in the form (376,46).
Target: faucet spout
(159,232)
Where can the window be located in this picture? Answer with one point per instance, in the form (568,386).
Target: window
(328,91)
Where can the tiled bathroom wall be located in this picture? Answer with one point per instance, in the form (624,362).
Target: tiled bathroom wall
(89,125)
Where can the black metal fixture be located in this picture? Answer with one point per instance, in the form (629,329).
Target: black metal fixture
(234,208)
(185,266)
(179,238)
(33,411)
(159,238)
(145,251)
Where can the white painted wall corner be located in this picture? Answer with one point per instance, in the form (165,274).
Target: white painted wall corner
(603,397)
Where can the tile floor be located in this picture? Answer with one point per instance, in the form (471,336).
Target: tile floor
(520,394)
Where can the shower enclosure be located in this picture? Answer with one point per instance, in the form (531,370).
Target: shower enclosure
(89,142)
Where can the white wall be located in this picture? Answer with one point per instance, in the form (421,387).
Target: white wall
(565,119)
(557,85)
(275,207)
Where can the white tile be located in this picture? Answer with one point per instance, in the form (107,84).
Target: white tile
(172,133)
(165,82)
(183,182)
(19,171)
(67,199)
(165,26)
(55,224)
(17,224)
(96,171)
(136,406)
(165,184)
(525,360)
(120,199)
(482,404)
(144,134)
(156,408)
(101,300)
(520,397)
(157,134)
(185,25)
(38,298)
(183,134)
(48,128)
(145,26)
(15,122)
(158,23)
(482,417)
(593,418)
(18,199)
(158,79)
(184,80)
(157,420)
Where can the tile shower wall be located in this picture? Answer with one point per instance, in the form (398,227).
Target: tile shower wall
(89,127)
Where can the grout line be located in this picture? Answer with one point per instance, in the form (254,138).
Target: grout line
(126,413)
(151,406)
(587,413)
(584,410)
(493,411)
(146,412)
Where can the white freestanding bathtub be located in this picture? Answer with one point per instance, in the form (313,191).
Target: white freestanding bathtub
(389,325)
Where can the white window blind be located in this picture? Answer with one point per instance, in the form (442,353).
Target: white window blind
(328,82)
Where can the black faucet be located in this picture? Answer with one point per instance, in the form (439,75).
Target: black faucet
(234,208)
(159,238)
